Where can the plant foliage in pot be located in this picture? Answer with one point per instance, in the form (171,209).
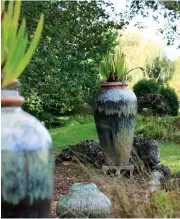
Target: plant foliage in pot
(26,146)
(115,109)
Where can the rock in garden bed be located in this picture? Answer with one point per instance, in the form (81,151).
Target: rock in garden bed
(154,102)
(145,152)
(86,152)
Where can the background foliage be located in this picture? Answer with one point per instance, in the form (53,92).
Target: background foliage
(160,69)
(145,87)
(64,70)
(156,10)
(152,86)
(172,98)
(139,49)
(63,74)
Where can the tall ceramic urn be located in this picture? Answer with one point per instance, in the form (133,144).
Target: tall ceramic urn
(26,161)
(115,109)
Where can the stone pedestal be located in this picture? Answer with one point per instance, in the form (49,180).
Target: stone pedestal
(119,170)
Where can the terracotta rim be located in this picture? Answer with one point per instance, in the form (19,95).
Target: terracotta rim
(114,84)
(10,101)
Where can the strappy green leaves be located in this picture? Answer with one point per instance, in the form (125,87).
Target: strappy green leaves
(15,55)
(113,66)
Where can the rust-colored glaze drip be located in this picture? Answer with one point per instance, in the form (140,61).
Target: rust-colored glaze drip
(10,101)
(114,84)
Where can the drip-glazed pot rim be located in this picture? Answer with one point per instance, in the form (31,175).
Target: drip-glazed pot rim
(115,84)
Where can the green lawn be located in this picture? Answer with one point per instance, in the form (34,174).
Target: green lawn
(170,155)
(71,134)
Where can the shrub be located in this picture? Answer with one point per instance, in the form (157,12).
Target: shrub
(172,98)
(176,137)
(163,129)
(34,106)
(145,87)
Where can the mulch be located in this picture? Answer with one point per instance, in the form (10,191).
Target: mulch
(65,175)
(68,173)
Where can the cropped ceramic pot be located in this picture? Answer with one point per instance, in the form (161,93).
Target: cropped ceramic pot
(26,161)
(84,200)
(115,109)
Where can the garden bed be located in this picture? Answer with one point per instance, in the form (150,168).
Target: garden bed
(130,197)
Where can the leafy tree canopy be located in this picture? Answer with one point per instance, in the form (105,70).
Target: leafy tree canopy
(164,13)
(172,5)
(64,70)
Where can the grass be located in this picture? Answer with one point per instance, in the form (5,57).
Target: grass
(170,154)
(74,133)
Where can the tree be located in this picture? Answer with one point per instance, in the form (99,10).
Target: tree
(138,48)
(64,70)
(157,10)
(160,69)
(172,5)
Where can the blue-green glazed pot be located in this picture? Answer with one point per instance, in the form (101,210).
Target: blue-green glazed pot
(115,109)
(83,200)
(26,162)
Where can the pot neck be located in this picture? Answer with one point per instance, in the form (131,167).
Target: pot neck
(11,98)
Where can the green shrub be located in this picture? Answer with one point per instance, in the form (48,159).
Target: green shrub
(145,87)
(176,137)
(163,129)
(172,98)
(148,131)
(34,106)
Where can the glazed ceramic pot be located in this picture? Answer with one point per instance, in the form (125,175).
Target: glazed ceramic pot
(26,161)
(115,109)
(84,200)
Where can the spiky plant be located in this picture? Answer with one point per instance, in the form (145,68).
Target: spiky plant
(119,65)
(106,67)
(113,66)
(15,55)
